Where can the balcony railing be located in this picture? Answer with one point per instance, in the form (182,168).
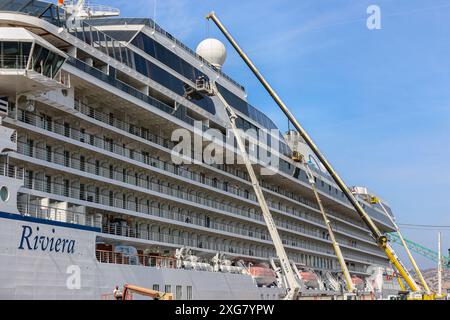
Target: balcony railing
(12,172)
(13,61)
(117,202)
(45,68)
(56,214)
(77,135)
(136,259)
(132,91)
(59,158)
(159,164)
(126,231)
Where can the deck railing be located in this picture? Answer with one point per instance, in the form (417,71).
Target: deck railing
(13,61)
(12,171)
(120,150)
(57,214)
(76,163)
(136,259)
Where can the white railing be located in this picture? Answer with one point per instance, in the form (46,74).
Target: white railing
(69,191)
(93,8)
(116,175)
(57,214)
(13,61)
(12,172)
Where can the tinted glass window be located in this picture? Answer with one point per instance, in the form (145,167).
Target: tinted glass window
(169,81)
(170,59)
(205,103)
(39,56)
(234,100)
(46,62)
(121,35)
(14,55)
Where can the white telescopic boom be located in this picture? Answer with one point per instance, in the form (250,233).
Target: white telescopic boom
(337,249)
(288,272)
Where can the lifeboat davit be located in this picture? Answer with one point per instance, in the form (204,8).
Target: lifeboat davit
(358,282)
(263,276)
(310,279)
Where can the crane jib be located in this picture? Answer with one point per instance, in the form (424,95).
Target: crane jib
(377,234)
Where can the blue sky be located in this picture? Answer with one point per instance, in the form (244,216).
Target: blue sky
(376,102)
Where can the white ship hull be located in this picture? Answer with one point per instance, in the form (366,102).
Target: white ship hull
(88,113)
(43,274)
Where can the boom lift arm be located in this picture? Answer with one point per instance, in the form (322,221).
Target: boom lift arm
(375,200)
(337,249)
(293,285)
(376,233)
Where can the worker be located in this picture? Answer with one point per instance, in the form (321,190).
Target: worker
(117,294)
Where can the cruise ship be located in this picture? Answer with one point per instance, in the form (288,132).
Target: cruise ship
(91,197)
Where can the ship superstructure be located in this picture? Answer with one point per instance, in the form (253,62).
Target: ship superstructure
(89,107)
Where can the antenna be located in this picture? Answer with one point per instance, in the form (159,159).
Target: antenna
(154,15)
(439,266)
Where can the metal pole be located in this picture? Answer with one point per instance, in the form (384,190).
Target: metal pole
(439,266)
(379,237)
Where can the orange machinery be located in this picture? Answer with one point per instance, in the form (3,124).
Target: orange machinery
(128,290)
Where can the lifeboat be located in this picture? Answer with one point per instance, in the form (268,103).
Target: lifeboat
(264,276)
(310,279)
(358,283)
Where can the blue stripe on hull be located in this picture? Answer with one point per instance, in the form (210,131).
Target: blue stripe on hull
(19,217)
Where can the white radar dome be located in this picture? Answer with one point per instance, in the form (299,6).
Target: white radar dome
(213,51)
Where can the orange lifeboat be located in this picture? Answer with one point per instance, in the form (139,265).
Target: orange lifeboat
(310,279)
(358,282)
(263,276)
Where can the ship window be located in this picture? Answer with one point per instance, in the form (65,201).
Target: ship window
(156,287)
(46,62)
(49,153)
(178,294)
(48,181)
(14,55)
(4,194)
(66,187)
(39,56)
(167,288)
(120,35)
(189,293)
(234,100)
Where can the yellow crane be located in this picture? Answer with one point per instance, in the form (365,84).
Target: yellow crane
(379,237)
(374,200)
